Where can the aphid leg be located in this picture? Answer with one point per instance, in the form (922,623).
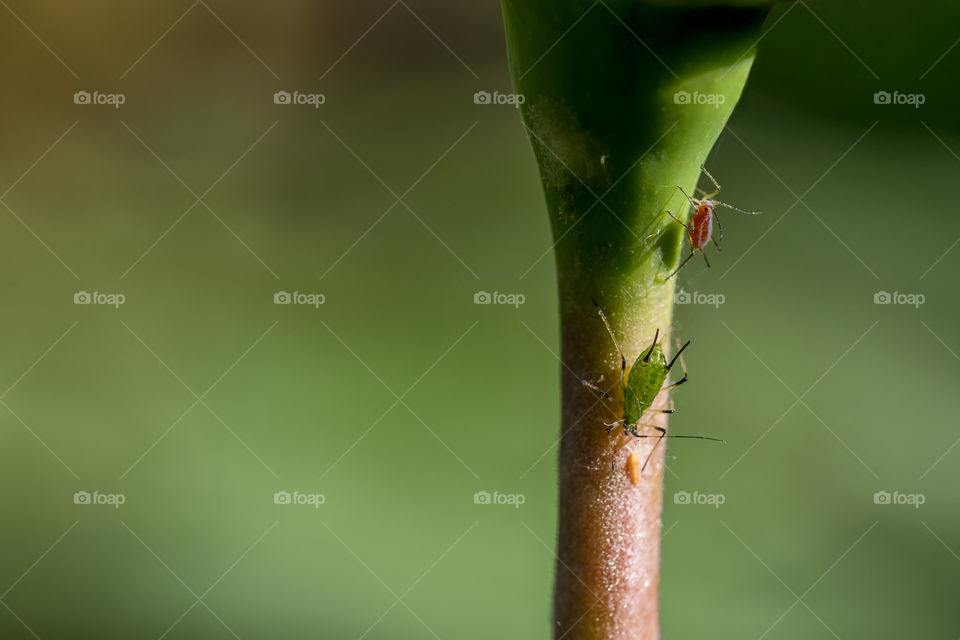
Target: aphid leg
(590,385)
(678,382)
(656,337)
(603,394)
(612,425)
(705,259)
(685,261)
(672,409)
(683,365)
(623,361)
(679,354)
(661,411)
(682,223)
(713,180)
(663,434)
(719,228)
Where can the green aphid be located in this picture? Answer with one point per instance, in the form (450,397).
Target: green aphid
(641,387)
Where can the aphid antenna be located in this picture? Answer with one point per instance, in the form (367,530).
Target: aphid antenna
(656,337)
(730,206)
(661,437)
(685,437)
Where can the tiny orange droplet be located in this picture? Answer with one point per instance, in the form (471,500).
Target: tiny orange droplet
(633,467)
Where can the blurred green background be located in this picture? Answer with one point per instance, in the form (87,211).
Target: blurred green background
(398,399)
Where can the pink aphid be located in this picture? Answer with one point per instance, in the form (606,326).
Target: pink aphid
(700,228)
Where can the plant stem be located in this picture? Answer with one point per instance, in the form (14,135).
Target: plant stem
(604,86)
